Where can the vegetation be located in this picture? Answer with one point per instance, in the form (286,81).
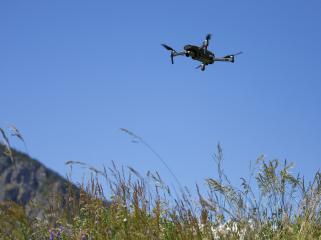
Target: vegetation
(118,203)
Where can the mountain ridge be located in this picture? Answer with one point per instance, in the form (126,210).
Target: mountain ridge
(28,182)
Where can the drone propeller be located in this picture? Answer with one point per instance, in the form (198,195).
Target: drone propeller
(172,51)
(235,54)
(168,47)
(231,56)
(208,37)
(206,41)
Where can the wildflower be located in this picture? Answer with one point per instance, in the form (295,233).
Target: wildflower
(52,235)
(84,237)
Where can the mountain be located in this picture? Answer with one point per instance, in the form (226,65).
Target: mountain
(29,183)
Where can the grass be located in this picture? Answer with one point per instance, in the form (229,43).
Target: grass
(120,203)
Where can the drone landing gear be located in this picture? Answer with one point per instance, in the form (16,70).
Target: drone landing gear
(202,66)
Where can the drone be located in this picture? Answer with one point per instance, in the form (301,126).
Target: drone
(201,54)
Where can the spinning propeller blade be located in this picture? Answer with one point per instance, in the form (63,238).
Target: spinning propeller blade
(168,47)
(172,58)
(172,51)
(233,55)
(206,42)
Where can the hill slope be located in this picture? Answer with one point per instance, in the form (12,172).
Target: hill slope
(26,181)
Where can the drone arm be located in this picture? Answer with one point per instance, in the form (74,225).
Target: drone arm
(222,59)
(225,59)
(178,53)
(174,54)
(205,45)
(228,58)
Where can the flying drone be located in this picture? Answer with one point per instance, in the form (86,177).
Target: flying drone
(200,54)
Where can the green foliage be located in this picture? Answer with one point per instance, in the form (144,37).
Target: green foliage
(122,204)
(14,224)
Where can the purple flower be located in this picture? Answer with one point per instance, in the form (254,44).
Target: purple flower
(60,231)
(84,237)
(52,235)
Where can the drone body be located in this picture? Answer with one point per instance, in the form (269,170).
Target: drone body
(200,53)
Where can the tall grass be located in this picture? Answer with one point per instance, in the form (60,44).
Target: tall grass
(120,203)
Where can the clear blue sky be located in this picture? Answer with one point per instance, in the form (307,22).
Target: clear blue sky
(73,72)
